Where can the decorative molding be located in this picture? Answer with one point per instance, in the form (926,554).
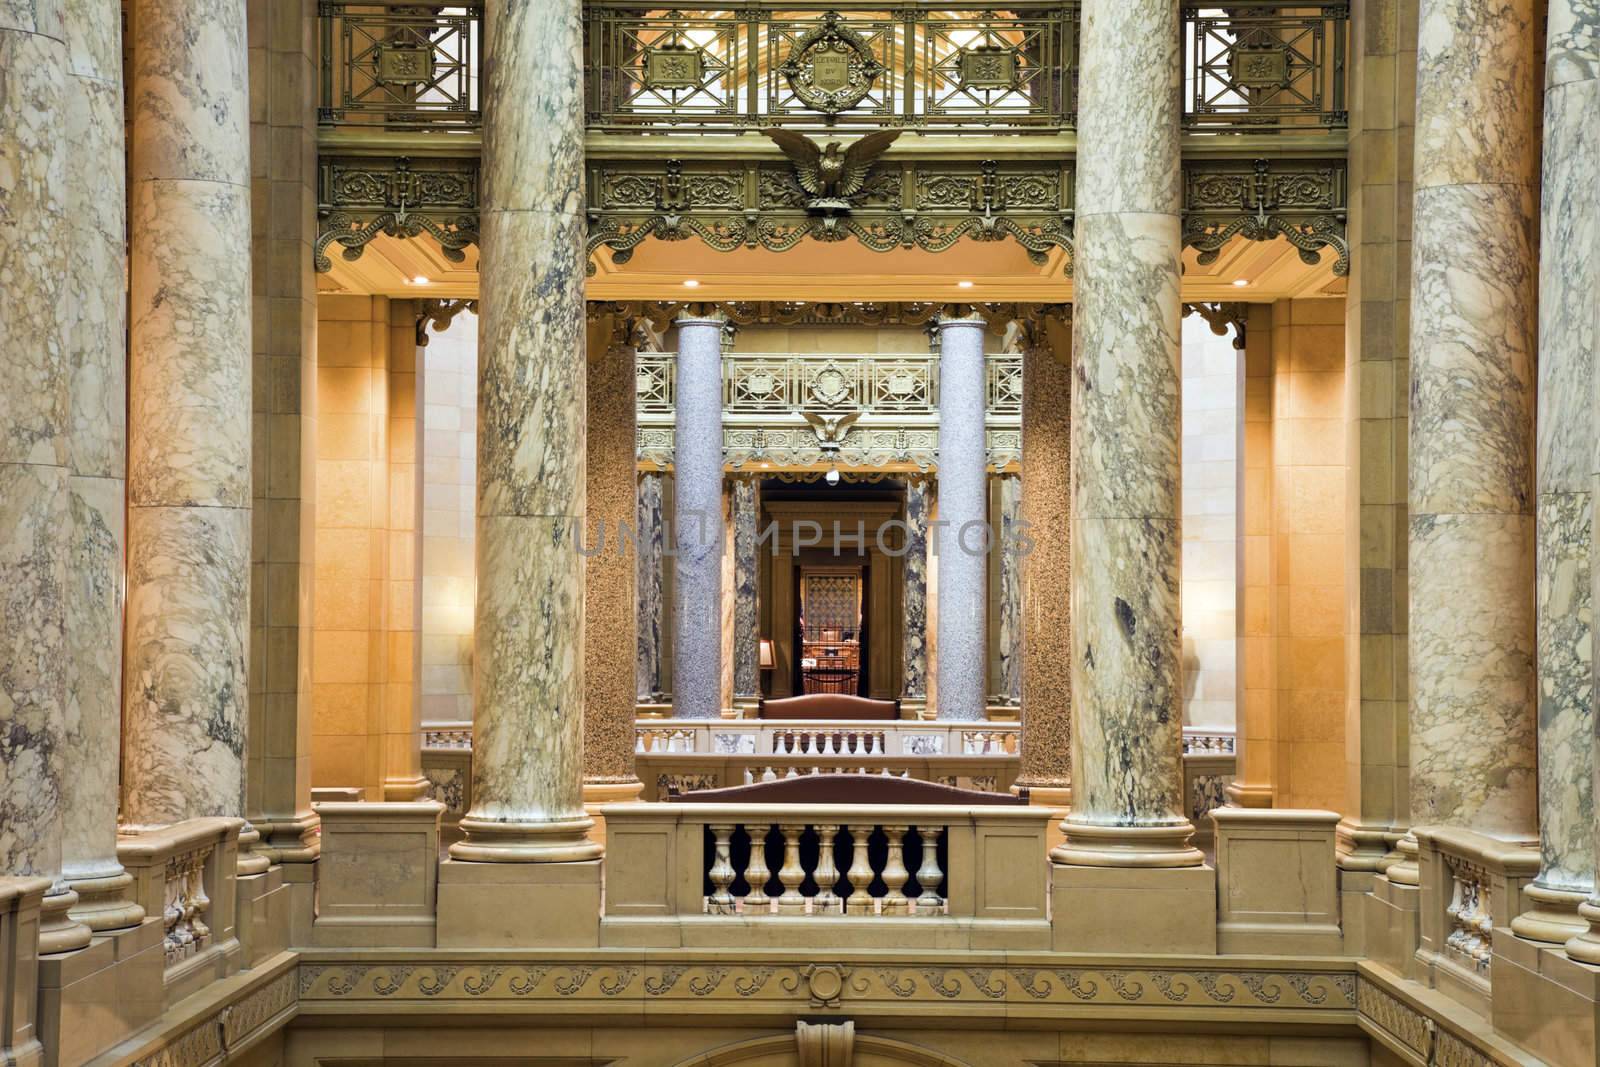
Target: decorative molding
(229,1028)
(360,197)
(1306,202)
(803,987)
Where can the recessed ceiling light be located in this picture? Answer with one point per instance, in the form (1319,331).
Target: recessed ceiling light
(1240,283)
(419,280)
(963,285)
(691,283)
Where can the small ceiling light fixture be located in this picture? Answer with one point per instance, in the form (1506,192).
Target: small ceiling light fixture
(832,477)
(1240,283)
(963,285)
(691,283)
(420,280)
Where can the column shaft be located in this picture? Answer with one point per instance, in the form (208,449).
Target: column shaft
(527,731)
(697,526)
(963,534)
(746,578)
(1471,488)
(184,687)
(1008,565)
(1046,572)
(647,670)
(96,307)
(610,631)
(1128,734)
(914,646)
(34,458)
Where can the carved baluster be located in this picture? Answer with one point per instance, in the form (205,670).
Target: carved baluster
(826,901)
(791,874)
(638,743)
(859,902)
(895,874)
(749,776)
(778,748)
(792,773)
(929,876)
(757,873)
(721,870)
(768,774)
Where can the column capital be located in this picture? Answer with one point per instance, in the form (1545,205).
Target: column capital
(959,315)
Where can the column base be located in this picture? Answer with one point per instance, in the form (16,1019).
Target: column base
(1405,870)
(1095,845)
(1553,918)
(1585,948)
(405,790)
(289,840)
(250,862)
(1249,795)
(514,905)
(58,931)
(556,841)
(1361,846)
(103,903)
(913,708)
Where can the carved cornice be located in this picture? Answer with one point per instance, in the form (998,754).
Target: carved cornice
(1306,202)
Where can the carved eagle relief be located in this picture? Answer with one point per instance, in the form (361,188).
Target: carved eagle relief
(830,176)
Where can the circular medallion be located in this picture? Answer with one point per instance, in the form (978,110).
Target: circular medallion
(831,68)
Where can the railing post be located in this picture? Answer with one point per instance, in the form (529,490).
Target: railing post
(756,872)
(859,901)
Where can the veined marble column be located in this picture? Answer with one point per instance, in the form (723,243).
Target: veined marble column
(1471,484)
(697,527)
(647,669)
(184,681)
(1046,741)
(528,644)
(1127,740)
(610,638)
(1009,635)
(746,579)
(96,307)
(963,534)
(35,453)
(914,640)
(1569,319)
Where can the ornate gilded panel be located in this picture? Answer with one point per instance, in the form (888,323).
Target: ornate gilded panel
(399,66)
(361,197)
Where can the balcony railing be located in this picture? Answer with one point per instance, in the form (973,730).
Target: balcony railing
(1252,66)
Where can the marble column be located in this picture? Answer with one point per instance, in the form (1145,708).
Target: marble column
(1008,566)
(35,456)
(1046,740)
(1569,281)
(647,666)
(528,641)
(697,526)
(746,579)
(914,640)
(962,536)
(610,638)
(1127,736)
(96,310)
(1471,468)
(184,679)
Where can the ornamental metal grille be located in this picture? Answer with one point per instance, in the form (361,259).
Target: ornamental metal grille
(984,66)
(1257,66)
(400,67)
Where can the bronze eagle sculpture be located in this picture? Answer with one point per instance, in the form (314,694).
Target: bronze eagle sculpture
(830,176)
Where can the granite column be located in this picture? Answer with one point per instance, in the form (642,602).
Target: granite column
(1128,734)
(35,455)
(697,525)
(610,629)
(528,642)
(96,348)
(189,462)
(1046,575)
(1471,529)
(963,537)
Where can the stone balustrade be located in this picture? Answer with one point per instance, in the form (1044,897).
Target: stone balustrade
(826,874)
(186,873)
(1470,884)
